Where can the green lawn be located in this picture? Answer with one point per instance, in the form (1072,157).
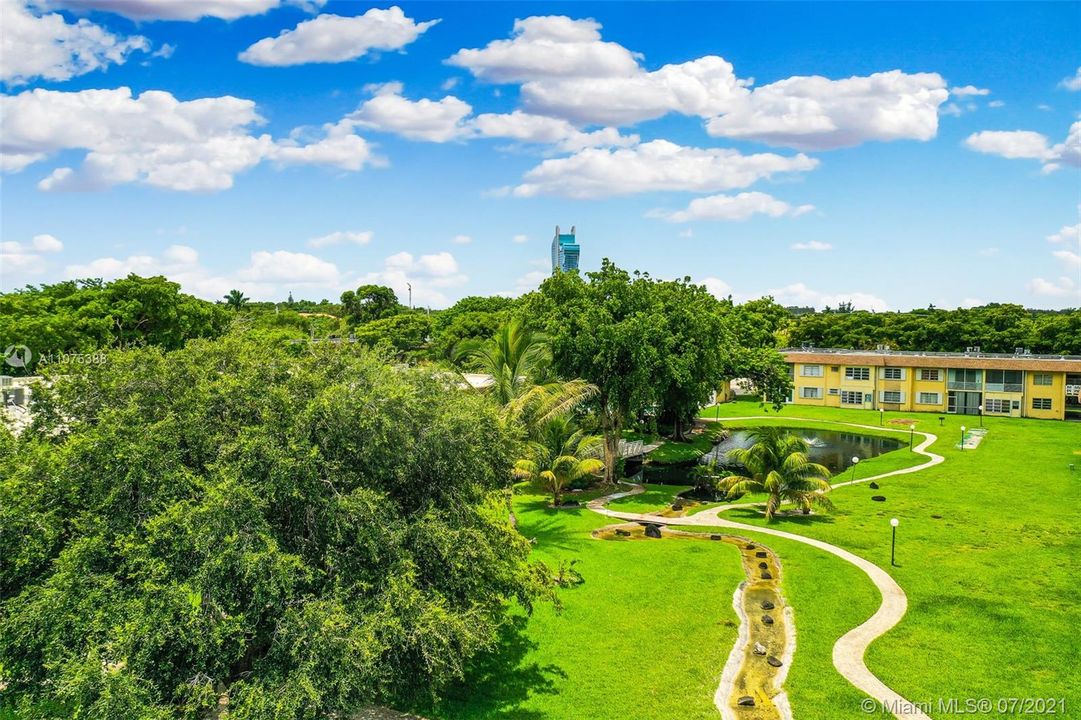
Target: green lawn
(992,586)
(994,601)
(619,648)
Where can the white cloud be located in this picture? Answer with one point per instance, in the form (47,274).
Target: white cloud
(1068,234)
(732,207)
(461,240)
(800,294)
(449,84)
(181,9)
(813,245)
(1026,144)
(520,239)
(688,233)
(268,275)
(970,302)
(996,104)
(50,48)
(1072,83)
(528,282)
(20,259)
(988,252)
(333,38)
(1070,259)
(430,120)
(528,128)
(429,275)
(156,139)
(968,91)
(1063,287)
(342,237)
(653,166)
(816,113)
(551,47)
(716,287)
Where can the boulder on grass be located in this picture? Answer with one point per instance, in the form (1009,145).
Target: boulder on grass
(653,531)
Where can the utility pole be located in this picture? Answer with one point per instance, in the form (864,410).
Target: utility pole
(410,286)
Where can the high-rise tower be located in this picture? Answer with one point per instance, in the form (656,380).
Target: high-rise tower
(565,250)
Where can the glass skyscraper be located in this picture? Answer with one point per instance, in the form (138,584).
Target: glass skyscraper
(564,251)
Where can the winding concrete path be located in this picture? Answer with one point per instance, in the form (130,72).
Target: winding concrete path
(849,650)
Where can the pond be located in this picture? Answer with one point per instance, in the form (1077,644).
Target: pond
(831,448)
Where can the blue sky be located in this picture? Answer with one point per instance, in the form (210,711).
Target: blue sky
(891,155)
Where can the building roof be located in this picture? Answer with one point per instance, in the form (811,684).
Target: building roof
(971,360)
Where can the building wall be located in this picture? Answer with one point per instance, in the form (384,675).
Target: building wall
(833,381)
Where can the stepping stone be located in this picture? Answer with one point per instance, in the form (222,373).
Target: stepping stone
(623,533)
(937,517)
(766,575)
(745,701)
(761,553)
(767,605)
(715,537)
(773,661)
(653,531)
(873,486)
(751,546)
(767,620)
(878,498)
(759,649)
(763,565)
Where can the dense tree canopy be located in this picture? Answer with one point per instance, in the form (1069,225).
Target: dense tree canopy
(229,525)
(370,302)
(83,316)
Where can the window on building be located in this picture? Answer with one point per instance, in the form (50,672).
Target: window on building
(893,396)
(811,393)
(893,373)
(962,379)
(857,373)
(834,391)
(931,374)
(1041,403)
(811,371)
(926,398)
(851,397)
(992,405)
(835,368)
(1042,379)
(1003,380)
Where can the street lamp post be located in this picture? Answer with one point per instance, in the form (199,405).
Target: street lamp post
(881,416)
(855,461)
(963,437)
(911,435)
(410,286)
(980,408)
(893,545)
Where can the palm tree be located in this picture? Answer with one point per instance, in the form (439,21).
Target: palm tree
(518,361)
(777,464)
(236,300)
(562,454)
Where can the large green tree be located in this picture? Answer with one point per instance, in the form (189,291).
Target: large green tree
(370,302)
(230,527)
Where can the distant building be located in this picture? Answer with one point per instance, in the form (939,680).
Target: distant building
(564,250)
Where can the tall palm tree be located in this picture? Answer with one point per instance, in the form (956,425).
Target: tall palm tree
(777,464)
(236,299)
(562,454)
(518,361)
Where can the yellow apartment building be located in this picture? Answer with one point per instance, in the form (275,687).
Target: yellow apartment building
(969,383)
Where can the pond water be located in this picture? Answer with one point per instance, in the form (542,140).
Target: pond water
(831,448)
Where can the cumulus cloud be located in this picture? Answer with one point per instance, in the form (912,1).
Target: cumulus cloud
(1068,234)
(429,120)
(567,71)
(1029,145)
(653,166)
(550,47)
(520,239)
(815,113)
(429,275)
(1062,287)
(800,294)
(342,237)
(1068,258)
(1072,83)
(333,38)
(181,9)
(461,240)
(157,140)
(732,207)
(813,246)
(968,91)
(716,287)
(19,259)
(527,128)
(48,47)
(268,274)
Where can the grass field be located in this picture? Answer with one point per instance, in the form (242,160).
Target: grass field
(991,581)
